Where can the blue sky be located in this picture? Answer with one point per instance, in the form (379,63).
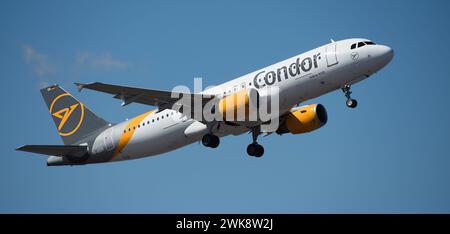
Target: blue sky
(388,155)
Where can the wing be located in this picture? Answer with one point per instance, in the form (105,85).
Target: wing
(159,98)
(55,150)
(139,95)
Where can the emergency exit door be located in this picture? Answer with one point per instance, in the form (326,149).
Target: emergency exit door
(331,56)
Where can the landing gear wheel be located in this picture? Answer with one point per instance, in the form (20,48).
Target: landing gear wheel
(251,150)
(352,103)
(210,140)
(255,150)
(259,151)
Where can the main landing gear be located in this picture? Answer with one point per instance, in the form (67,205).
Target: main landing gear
(352,103)
(255,149)
(210,140)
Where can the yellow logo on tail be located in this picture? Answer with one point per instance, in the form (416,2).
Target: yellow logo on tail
(64,115)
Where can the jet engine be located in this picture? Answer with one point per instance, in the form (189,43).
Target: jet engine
(239,106)
(305,119)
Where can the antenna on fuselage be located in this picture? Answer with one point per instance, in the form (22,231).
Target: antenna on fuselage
(332,41)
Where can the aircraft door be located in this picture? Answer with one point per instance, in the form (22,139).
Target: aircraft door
(330,52)
(108,140)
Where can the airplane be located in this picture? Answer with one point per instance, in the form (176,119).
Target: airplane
(90,139)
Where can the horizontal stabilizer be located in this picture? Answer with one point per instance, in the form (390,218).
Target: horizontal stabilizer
(56,150)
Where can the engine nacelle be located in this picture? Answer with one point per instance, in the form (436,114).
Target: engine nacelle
(305,119)
(239,106)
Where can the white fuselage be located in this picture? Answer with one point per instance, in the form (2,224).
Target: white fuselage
(300,78)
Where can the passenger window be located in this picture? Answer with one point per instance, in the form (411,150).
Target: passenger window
(361,44)
(153,120)
(353,46)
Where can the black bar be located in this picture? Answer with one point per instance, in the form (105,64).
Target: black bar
(292,223)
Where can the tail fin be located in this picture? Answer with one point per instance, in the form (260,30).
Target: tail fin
(73,120)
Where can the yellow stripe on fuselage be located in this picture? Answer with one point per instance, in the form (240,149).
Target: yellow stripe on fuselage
(128,132)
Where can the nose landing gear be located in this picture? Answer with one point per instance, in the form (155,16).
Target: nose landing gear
(351,103)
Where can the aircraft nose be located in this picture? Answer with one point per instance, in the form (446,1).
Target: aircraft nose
(386,53)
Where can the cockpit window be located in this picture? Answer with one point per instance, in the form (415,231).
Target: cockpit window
(361,44)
